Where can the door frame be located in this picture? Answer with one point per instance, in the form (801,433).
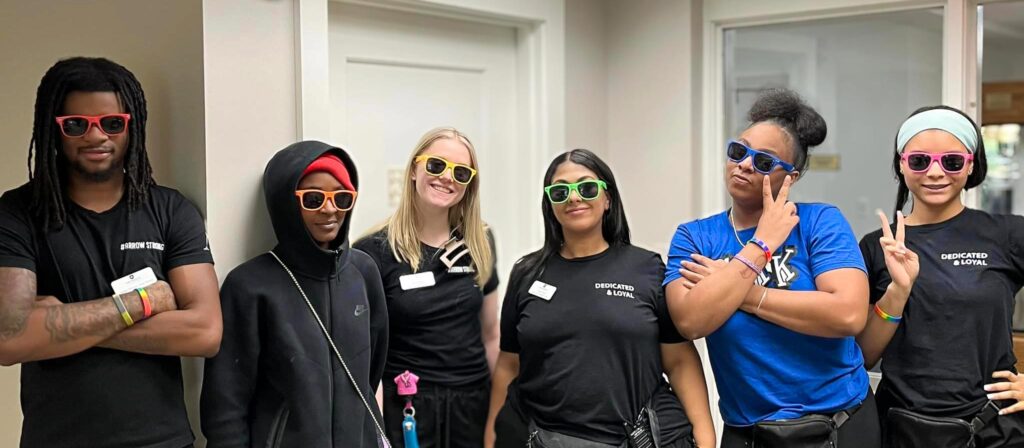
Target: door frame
(540,35)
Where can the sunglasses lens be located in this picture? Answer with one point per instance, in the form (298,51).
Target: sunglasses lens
(918,162)
(558,193)
(589,190)
(113,125)
(344,200)
(736,152)
(74,127)
(953,163)
(764,163)
(435,166)
(313,200)
(462,174)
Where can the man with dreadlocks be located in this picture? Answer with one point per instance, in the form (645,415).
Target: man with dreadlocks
(101,369)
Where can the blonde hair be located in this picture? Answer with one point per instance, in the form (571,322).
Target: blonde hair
(401,226)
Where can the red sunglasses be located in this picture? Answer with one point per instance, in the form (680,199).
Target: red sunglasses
(78,125)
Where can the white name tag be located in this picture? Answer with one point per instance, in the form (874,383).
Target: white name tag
(416,281)
(542,290)
(131,282)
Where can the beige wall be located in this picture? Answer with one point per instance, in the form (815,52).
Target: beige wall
(36,34)
(250,114)
(632,96)
(586,75)
(652,94)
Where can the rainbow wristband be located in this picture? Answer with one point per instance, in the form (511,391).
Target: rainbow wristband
(886,316)
(147,307)
(122,310)
(764,247)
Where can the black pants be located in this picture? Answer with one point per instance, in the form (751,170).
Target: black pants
(1004,431)
(860,431)
(446,417)
(512,431)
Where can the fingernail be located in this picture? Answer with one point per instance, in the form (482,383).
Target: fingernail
(1002,412)
(988,387)
(989,396)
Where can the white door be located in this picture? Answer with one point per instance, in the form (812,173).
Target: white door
(395,75)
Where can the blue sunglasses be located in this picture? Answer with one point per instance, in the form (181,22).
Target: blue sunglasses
(763,162)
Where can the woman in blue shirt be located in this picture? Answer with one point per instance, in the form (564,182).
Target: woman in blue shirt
(779,290)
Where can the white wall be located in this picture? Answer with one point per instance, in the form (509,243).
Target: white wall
(652,91)
(586,75)
(36,34)
(250,115)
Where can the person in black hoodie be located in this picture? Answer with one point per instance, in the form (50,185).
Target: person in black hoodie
(277,381)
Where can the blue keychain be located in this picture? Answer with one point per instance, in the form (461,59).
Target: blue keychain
(409,428)
(406,383)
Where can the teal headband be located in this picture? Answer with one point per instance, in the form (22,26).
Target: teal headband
(943,120)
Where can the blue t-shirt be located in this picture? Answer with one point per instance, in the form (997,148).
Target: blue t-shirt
(764,371)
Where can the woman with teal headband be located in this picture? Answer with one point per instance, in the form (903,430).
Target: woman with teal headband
(943,281)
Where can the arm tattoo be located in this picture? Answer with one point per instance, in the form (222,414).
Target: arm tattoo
(17,293)
(72,321)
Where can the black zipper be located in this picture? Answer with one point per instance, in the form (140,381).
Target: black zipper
(330,318)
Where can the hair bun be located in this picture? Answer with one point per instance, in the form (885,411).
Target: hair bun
(786,108)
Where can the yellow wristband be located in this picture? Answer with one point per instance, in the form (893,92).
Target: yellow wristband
(122,310)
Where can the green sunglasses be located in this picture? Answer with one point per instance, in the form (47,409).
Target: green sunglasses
(588,190)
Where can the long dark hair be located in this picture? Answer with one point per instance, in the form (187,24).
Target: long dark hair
(48,172)
(973,180)
(614,227)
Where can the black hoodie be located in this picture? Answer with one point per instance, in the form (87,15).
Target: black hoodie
(276,381)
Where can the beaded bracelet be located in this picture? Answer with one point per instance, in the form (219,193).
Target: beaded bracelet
(764,247)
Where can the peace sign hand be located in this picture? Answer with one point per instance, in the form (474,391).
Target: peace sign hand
(778,215)
(902,263)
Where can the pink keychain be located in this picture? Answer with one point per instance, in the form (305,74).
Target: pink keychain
(406,383)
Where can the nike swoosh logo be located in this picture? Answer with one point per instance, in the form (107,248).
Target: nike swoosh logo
(360,309)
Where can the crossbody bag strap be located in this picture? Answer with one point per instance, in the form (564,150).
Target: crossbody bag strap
(327,334)
(987,414)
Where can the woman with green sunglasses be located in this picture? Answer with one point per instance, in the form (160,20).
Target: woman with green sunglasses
(586,335)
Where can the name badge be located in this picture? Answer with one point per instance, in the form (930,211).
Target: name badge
(542,290)
(131,282)
(416,281)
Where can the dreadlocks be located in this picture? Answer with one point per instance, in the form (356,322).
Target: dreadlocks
(83,75)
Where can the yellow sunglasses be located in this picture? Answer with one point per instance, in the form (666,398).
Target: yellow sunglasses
(436,166)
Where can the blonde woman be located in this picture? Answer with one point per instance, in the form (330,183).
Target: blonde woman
(436,259)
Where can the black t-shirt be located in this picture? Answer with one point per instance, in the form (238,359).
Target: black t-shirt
(102,397)
(956,327)
(590,357)
(434,331)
